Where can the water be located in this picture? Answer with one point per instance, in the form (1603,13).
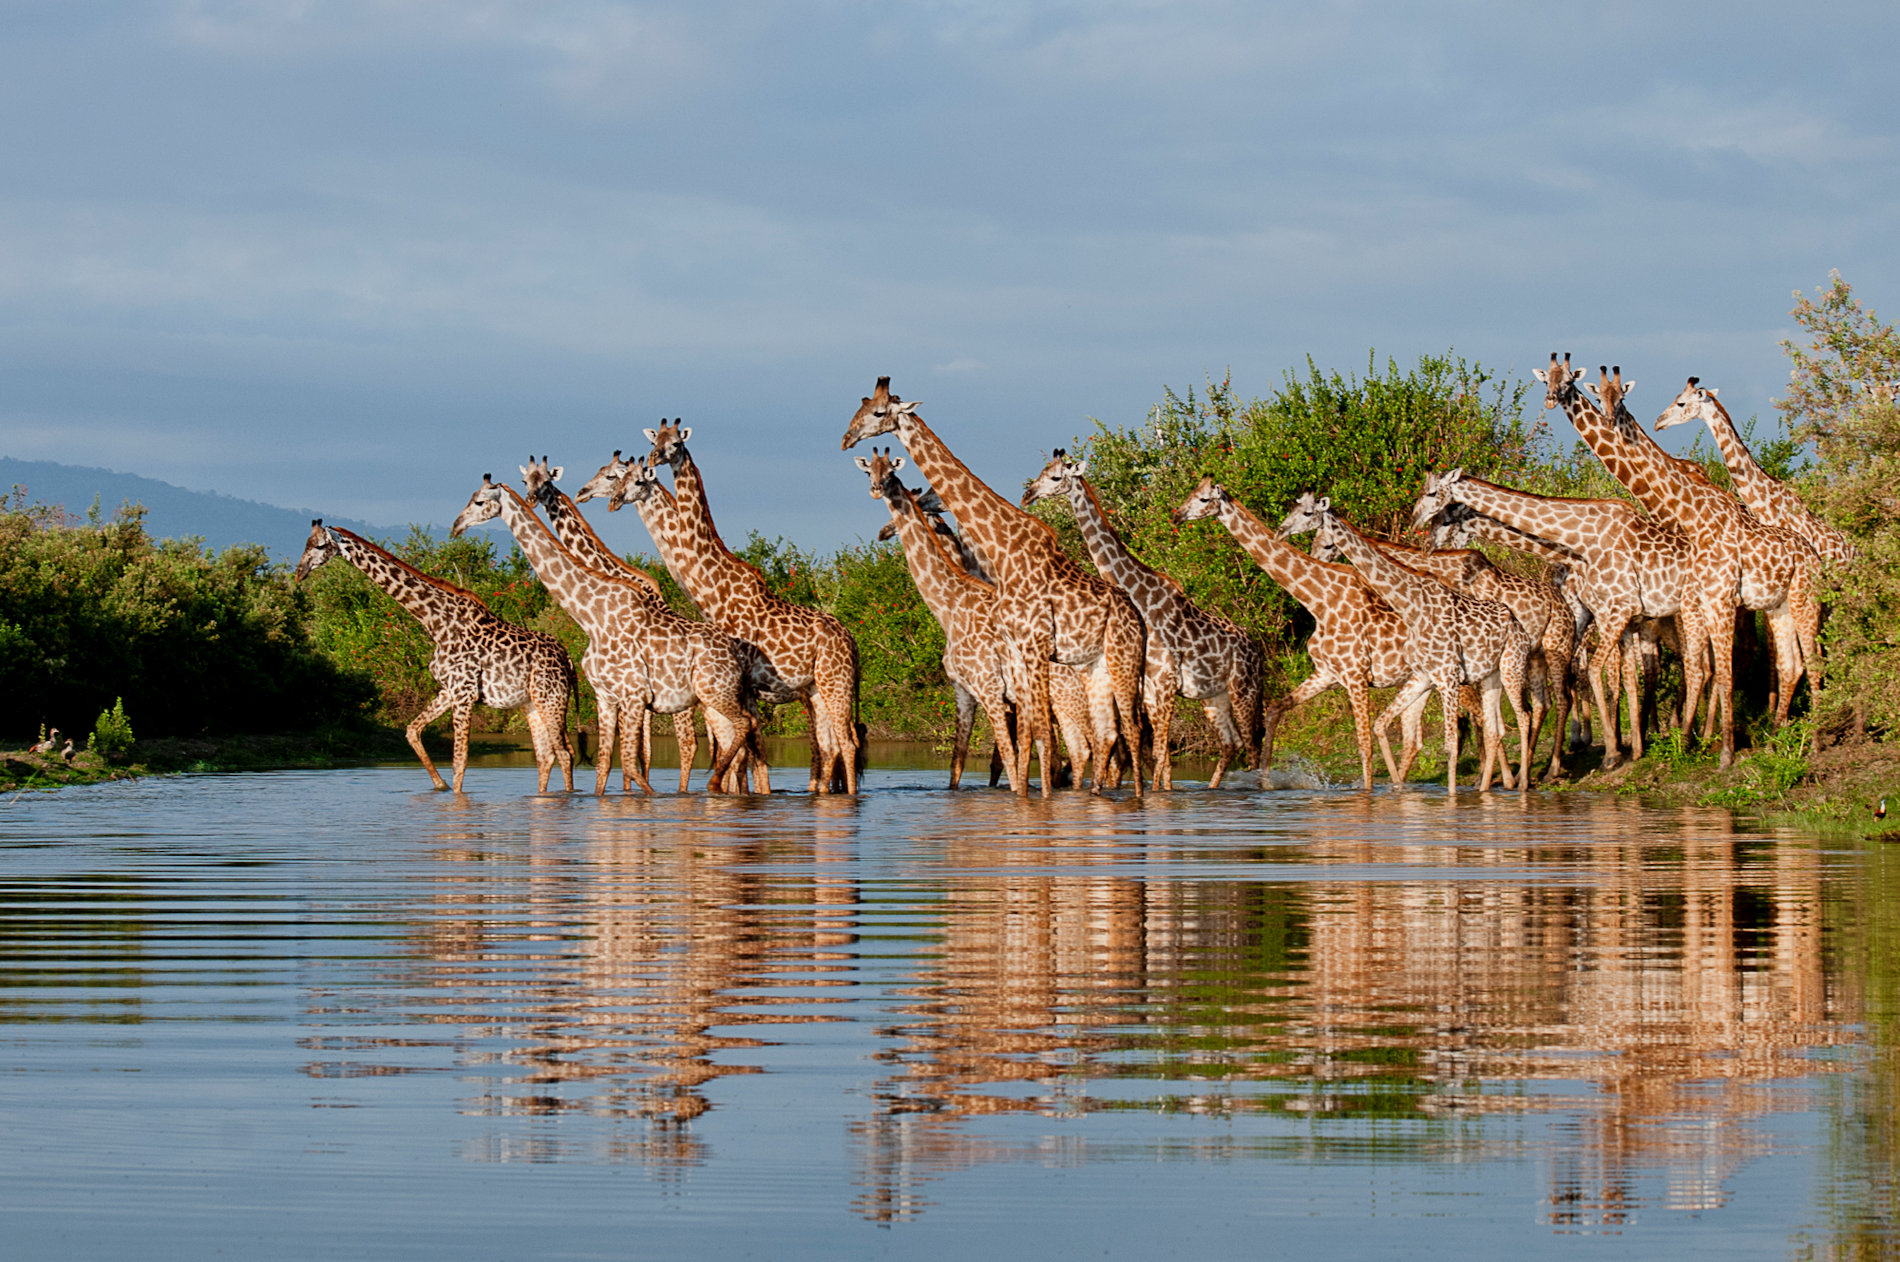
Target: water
(331,1014)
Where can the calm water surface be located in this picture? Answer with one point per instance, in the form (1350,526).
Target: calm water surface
(332,1014)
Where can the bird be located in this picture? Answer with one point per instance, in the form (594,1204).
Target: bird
(69,752)
(46,746)
(1880,812)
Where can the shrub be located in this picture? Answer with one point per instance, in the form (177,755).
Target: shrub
(111,733)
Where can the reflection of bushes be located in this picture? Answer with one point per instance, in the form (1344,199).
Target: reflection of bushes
(95,611)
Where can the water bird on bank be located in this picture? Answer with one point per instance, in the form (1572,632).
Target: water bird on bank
(1880,811)
(69,752)
(46,746)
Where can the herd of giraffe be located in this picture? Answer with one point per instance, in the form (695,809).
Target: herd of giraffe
(1044,647)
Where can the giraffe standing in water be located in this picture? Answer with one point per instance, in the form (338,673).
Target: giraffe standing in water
(1537,604)
(579,538)
(479,658)
(638,658)
(1210,659)
(1052,609)
(1358,640)
(810,650)
(975,654)
(1627,569)
(1451,640)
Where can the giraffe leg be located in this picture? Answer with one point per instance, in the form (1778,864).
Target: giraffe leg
(1788,663)
(1448,702)
(1512,671)
(1559,670)
(1412,730)
(1158,699)
(1244,696)
(995,710)
(606,719)
(1410,697)
(464,715)
(686,737)
(543,751)
(430,713)
(1720,629)
(1606,659)
(966,723)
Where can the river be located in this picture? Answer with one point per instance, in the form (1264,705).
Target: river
(331,1014)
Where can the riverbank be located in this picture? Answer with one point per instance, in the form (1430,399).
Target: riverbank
(1836,790)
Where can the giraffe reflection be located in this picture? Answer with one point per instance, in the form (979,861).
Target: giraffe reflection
(664,946)
(1647,992)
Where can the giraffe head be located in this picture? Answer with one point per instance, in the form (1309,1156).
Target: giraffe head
(318,548)
(635,485)
(1609,391)
(539,479)
(602,483)
(668,441)
(882,470)
(1054,480)
(1203,502)
(1441,492)
(877,414)
(1307,514)
(484,505)
(1695,403)
(1559,380)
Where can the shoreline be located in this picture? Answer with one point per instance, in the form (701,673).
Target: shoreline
(1834,792)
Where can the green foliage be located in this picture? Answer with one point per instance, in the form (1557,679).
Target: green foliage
(1772,771)
(1368,442)
(111,733)
(95,610)
(1841,398)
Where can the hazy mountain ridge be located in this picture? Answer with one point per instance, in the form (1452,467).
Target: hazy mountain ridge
(172,512)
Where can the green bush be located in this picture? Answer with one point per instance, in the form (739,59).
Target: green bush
(112,733)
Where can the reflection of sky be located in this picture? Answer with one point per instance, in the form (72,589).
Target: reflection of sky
(254,1000)
(350,254)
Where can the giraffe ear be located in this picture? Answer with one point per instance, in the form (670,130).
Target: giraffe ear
(907,406)
(1711,391)
(653,435)
(686,433)
(1627,387)
(862,463)
(1078,467)
(1541,375)
(897,464)
(554,474)
(527,471)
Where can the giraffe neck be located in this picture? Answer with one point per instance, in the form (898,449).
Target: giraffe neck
(574,587)
(577,534)
(1402,589)
(1012,545)
(1453,565)
(1313,583)
(1510,536)
(939,577)
(717,572)
(1670,488)
(658,513)
(1106,549)
(441,607)
(1752,483)
(1576,524)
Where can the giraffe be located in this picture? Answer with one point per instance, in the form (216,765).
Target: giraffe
(1736,562)
(637,658)
(1537,604)
(478,656)
(1213,661)
(1053,610)
(1451,639)
(1625,567)
(809,649)
(975,655)
(579,538)
(1768,497)
(1358,640)
(1068,694)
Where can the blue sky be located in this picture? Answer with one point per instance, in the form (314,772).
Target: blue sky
(351,254)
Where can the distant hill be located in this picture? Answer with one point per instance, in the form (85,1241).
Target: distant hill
(172,512)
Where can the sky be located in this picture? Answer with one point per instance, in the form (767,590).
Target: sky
(349,255)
